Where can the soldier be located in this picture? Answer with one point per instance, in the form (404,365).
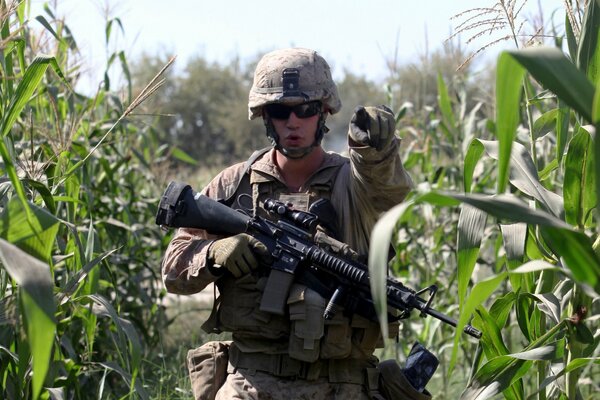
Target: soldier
(297,355)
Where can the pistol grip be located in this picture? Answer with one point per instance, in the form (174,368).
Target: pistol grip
(274,298)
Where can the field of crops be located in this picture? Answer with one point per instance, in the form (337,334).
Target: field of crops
(504,220)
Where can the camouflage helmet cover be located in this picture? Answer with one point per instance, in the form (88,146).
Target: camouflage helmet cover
(314,81)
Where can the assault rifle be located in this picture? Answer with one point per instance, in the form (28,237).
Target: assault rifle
(290,241)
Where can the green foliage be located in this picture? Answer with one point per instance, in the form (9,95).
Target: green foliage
(79,251)
(82,308)
(203,111)
(532,286)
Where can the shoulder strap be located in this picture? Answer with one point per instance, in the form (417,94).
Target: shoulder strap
(255,156)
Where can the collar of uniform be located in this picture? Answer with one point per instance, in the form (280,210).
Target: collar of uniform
(266,169)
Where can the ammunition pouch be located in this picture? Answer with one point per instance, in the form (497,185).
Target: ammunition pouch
(282,365)
(337,342)
(307,328)
(239,309)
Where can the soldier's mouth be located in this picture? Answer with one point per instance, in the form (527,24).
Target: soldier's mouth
(293,140)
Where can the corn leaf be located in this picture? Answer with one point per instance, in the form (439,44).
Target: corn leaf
(562,130)
(553,70)
(37,237)
(492,341)
(446,107)
(509,77)
(479,294)
(35,287)
(493,346)
(34,235)
(472,156)
(502,307)
(524,176)
(574,247)
(378,251)
(42,20)
(471,226)
(127,73)
(495,377)
(549,304)
(588,52)
(596,111)
(27,86)
(537,266)
(503,371)
(31,79)
(181,155)
(545,123)
(125,329)
(75,282)
(572,366)
(578,188)
(523,173)
(524,316)
(577,252)
(571,39)
(139,388)
(513,237)
(44,193)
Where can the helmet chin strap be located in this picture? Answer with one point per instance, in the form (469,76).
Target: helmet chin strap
(296,153)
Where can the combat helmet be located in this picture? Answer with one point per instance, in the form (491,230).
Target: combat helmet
(292,76)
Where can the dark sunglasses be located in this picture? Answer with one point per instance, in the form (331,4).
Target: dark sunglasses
(304,110)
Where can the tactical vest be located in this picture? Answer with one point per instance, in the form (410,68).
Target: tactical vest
(302,332)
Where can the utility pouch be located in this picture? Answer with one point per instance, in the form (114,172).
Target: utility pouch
(207,366)
(366,334)
(306,315)
(337,342)
(394,385)
(239,309)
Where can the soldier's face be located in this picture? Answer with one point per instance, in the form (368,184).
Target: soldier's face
(296,132)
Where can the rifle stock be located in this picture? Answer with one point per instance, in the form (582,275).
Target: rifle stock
(182,207)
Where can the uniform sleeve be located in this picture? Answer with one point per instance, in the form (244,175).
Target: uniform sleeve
(370,184)
(379,176)
(184,266)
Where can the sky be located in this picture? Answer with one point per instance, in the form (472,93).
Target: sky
(352,35)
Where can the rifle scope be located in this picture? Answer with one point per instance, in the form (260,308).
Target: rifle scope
(301,219)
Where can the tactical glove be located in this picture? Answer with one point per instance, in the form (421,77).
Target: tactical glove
(237,254)
(372,126)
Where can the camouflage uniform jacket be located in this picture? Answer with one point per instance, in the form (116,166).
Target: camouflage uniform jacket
(360,187)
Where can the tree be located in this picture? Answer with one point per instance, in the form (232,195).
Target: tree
(203,111)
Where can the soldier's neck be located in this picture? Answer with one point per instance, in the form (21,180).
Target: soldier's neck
(296,172)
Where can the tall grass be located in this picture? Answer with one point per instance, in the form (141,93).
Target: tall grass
(521,223)
(79,282)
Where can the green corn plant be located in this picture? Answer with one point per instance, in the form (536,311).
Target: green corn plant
(79,252)
(538,301)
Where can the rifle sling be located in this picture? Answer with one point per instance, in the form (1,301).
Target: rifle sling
(255,156)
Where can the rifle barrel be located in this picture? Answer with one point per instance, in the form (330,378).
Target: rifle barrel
(468,329)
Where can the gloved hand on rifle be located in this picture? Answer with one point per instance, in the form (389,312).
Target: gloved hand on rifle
(236,254)
(372,126)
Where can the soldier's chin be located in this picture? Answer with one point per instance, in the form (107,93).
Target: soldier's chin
(293,142)
(296,152)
